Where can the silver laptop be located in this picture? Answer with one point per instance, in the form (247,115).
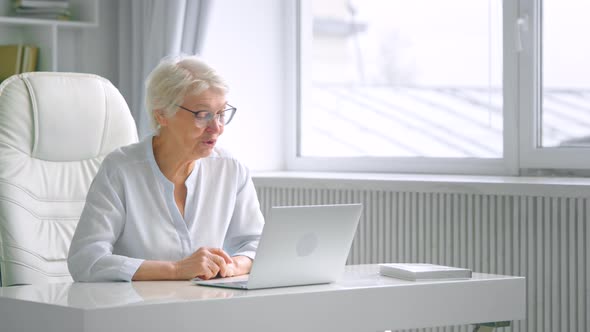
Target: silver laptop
(300,245)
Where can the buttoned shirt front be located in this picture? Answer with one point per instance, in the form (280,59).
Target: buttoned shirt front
(130,214)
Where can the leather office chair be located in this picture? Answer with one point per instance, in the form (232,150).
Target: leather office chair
(55,129)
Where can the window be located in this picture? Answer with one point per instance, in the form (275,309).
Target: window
(565,75)
(554,83)
(441,86)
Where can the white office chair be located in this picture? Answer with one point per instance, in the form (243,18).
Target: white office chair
(55,129)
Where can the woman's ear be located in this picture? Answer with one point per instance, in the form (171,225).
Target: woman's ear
(160,118)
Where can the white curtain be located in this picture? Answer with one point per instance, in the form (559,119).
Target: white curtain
(148,31)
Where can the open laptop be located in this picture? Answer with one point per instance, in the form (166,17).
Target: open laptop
(299,245)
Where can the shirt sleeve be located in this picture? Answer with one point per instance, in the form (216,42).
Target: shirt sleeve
(91,255)
(247,221)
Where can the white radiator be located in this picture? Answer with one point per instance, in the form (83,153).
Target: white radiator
(541,237)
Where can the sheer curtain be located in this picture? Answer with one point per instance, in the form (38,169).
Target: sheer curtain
(148,31)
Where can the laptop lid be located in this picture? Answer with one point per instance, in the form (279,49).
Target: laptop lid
(302,245)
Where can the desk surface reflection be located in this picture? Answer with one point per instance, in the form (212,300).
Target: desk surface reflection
(361,300)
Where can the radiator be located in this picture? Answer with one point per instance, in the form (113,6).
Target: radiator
(541,237)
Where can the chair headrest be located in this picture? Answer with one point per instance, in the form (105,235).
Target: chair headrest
(63,116)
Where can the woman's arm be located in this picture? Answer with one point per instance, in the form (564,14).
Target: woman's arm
(155,270)
(245,228)
(91,255)
(205,263)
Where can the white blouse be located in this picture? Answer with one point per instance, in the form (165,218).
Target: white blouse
(131,216)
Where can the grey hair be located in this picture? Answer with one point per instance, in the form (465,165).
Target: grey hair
(174,78)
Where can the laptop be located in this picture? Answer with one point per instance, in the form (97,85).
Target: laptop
(299,245)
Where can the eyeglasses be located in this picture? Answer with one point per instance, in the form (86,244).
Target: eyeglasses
(202,118)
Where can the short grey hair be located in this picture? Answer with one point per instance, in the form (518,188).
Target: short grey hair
(174,78)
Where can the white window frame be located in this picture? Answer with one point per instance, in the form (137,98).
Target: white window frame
(532,155)
(521,89)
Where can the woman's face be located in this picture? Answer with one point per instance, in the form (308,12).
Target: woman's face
(195,139)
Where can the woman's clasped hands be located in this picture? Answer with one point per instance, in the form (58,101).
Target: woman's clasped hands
(206,263)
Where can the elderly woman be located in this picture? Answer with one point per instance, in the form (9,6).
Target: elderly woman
(172,206)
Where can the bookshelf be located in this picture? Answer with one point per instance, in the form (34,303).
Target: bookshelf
(47,34)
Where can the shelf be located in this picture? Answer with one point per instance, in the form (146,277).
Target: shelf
(52,36)
(36,21)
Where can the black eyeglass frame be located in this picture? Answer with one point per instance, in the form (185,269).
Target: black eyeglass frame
(210,116)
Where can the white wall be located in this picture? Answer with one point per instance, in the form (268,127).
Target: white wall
(244,43)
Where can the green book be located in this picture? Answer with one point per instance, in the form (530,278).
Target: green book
(29,59)
(10,60)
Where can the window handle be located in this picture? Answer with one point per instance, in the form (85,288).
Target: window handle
(522,27)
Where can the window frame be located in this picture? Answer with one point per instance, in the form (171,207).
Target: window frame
(533,156)
(521,106)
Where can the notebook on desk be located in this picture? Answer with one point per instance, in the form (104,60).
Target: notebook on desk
(299,245)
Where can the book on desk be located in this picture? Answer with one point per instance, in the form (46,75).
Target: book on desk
(420,271)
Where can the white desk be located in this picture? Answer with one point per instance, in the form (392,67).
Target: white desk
(361,301)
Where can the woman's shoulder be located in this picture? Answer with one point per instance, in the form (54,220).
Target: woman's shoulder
(126,154)
(220,153)
(223,163)
(223,156)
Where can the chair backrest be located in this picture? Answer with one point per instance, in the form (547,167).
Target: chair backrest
(55,129)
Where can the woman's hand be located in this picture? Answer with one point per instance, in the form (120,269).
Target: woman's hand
(205,263)
(240,265)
